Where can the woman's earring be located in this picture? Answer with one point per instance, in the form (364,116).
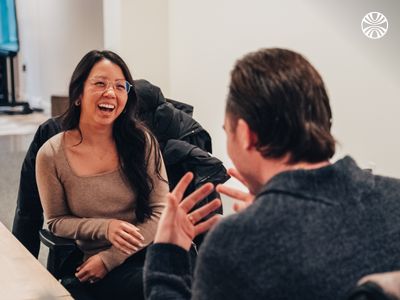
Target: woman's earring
(78,102)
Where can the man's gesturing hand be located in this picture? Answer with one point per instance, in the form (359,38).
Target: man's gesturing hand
(177,226)
(245,199)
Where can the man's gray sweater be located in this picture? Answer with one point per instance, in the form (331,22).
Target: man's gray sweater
(310,234)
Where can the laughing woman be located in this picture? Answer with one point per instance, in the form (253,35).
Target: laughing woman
(102,181)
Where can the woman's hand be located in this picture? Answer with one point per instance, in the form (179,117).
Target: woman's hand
(91,270)
(124,236)
(245,199)
(176,225)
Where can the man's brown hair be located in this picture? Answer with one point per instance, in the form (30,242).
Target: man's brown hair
(283,99)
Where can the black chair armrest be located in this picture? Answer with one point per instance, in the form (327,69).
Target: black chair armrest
(55,242)
(59,250)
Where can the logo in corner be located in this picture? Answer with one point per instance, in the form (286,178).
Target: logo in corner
(374,25)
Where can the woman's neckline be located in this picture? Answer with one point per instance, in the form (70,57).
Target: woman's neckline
(73,172)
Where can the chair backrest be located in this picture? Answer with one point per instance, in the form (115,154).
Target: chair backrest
(184,143)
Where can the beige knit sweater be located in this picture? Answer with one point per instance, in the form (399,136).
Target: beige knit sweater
(81,207)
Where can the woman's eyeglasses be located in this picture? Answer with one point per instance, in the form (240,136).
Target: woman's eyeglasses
(119,86)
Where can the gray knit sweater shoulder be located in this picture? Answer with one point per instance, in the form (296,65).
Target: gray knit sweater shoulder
(311,234)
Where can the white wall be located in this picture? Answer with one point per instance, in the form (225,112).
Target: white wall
(144,43)
(362,77)
(54,36)
(112,25)
(188,48)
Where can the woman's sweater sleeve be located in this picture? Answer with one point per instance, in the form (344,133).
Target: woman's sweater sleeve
(52,196)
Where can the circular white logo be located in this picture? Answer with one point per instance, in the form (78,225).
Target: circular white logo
(374,25)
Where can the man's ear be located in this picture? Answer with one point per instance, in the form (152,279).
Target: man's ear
(247,138)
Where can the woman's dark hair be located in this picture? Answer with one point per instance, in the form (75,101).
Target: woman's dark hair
(284,101)
(134,142)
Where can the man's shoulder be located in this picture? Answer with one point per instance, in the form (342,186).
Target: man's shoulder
(234,229)
(386,183)
(385,193)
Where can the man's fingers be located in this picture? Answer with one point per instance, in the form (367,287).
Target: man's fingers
(235,173)
(204,211)
(233,193)
(238,207)
(182,185)
(172,201)
(206,225)
(196,196)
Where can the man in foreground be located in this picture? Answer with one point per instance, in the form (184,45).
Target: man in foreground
(314,228)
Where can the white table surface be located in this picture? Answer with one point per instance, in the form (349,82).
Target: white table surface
(21,274)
